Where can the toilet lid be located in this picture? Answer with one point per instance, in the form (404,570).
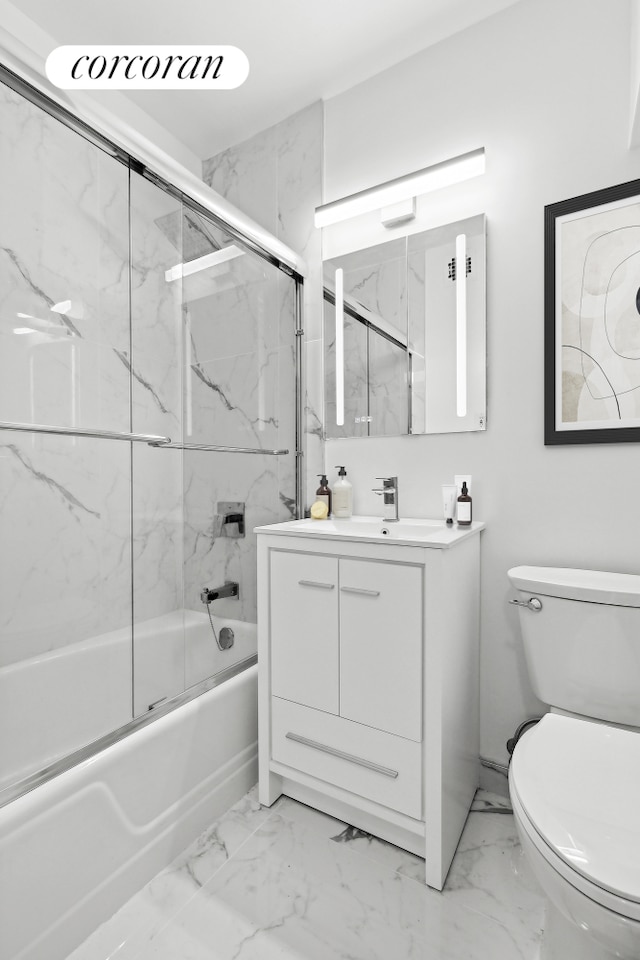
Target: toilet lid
(579,784)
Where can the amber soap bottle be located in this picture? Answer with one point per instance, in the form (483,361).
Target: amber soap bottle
(464,507)
(323,492)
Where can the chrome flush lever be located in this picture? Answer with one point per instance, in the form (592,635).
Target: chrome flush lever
(532,604)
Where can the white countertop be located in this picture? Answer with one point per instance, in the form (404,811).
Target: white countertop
(409,532)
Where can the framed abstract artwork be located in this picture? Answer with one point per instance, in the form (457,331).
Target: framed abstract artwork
(592,317)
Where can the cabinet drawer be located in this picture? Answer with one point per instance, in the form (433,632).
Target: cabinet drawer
(371,763)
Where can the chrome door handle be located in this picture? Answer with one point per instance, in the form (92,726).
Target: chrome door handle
(367,593)
(316,583)
(533,603)
(324,748)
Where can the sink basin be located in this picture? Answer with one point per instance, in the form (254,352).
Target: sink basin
(372,527)
(409,532)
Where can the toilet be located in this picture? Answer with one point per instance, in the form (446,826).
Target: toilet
(574,777)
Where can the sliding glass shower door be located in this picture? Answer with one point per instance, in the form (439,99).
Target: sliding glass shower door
(65,506)
(137,338)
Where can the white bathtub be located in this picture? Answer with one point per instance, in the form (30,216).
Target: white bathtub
(77,847)
(57,702)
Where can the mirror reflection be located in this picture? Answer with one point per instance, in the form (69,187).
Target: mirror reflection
(404,335)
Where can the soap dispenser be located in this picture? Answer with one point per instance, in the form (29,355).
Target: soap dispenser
(342,495)
(323,492)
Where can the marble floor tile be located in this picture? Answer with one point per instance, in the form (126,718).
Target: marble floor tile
(289,892)
(291,882)
(488,873)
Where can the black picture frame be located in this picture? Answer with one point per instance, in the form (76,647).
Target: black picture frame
(604,212)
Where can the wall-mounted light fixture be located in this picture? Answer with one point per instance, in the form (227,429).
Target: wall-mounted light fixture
(203,263)
(438,175)
(339,287)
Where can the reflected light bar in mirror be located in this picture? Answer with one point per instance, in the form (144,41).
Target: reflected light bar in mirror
(461,325)
(439,175)
(203,263)
(63,307)
(339,287)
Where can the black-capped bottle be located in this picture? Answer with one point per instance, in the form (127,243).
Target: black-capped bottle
(323,493)
(464,507)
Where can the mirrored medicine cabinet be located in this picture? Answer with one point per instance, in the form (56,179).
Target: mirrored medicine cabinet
(405,335)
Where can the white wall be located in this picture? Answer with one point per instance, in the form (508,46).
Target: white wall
(544,87)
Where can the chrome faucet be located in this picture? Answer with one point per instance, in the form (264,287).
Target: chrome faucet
(389,491)
(229,589)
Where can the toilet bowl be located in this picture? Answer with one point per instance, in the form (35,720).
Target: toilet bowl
(574,777)
(575,791)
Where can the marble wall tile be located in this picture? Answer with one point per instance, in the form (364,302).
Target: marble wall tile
(156,312)
(276,178)
(246,174)
(65,542)
(240,313)
(299,189)
(210,558)
(239,391)
(64,239)
(314,382)
(157,501)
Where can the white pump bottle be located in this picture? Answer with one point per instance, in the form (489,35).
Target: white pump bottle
(342,496)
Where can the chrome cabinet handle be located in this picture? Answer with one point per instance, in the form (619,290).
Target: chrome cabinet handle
(367,593)
(316,583)
(531,604)
(376,767)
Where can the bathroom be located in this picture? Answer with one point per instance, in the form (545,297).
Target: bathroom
(549,90)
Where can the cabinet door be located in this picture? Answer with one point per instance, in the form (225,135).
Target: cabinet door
(304,629)
(381,646)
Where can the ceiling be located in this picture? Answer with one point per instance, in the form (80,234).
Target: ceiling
(299,51)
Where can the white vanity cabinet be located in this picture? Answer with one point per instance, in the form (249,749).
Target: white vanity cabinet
(368,681)
(349,638)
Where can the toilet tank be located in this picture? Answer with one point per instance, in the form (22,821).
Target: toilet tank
(582,645)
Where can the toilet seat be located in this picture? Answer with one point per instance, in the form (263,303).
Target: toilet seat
(575,788)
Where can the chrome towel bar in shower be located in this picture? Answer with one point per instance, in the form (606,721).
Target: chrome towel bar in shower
(81,432)
(215,448)
(151,439)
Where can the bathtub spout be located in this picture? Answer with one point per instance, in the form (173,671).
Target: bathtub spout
(229,589)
